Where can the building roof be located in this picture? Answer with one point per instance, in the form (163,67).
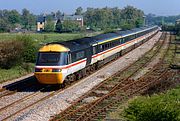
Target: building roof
(41,19)
(77,44)
(71,17)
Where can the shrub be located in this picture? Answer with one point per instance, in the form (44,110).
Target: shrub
(10,53)
(164,107)
(30,48)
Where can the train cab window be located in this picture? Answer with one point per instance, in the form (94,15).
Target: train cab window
(52,58)
(69,58)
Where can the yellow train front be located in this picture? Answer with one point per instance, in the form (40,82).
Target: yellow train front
(51,59)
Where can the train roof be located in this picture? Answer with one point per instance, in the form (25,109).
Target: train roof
(77,44)
(86,42)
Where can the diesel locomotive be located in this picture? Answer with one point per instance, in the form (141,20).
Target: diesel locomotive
(61,62)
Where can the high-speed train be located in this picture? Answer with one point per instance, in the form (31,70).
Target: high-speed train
(60,62)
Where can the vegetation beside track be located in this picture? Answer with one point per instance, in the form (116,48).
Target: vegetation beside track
(162,107)
(15,72)
(155,105)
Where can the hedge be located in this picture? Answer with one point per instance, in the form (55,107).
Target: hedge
(163,107)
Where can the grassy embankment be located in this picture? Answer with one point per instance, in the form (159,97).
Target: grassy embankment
(23,69)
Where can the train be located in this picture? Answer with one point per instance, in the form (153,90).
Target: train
(67,61)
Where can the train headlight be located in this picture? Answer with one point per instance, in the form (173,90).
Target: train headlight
(56,70)
(38,70)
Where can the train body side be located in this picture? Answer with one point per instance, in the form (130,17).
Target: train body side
(89,55)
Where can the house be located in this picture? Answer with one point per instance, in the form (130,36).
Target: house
(40,23)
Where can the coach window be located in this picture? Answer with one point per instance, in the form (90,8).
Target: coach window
(80,55)
(94,49)
(106,46)
(100,48)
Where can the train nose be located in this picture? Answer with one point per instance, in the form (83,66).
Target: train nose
(50,76)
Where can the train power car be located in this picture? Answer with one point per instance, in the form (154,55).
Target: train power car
(61,62)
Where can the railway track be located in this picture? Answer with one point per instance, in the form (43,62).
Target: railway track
(101,98)
(17,86)
(29,97)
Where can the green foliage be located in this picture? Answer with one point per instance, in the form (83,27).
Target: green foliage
(167,27)
(10,19)
(13,17)
(14,52)
(177,29)
(25,18)
(163,107)
(58,26)
(108,30)
(79,11)
(104,18)
(10,53)
(160,20)
(49,26)
(4,26)
(70,26)
(30,48)
(15,72)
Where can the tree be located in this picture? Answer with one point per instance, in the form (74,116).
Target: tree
(13,17)
(58,26)
(25,18)
(4,26)
(70,26)
(49,26)
(79,11)
(32,21)
(132,16)
(58,14)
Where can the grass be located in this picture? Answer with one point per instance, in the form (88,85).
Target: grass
(47,37)
(15,72)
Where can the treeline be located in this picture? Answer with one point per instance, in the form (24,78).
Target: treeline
(126,18)
(94,18)
(174,28)
(152,19)
(99,19)
(11,19)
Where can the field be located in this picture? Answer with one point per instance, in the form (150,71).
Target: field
(44,37)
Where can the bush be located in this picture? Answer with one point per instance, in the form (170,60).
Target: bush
(10,53)
(30,48)
(164,107)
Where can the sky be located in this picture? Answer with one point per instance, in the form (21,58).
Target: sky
(158,7)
